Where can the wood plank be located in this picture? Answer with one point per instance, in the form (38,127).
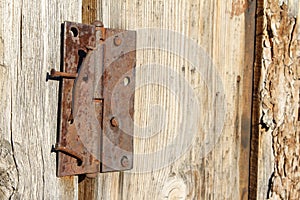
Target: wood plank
(255,136)
(246,123)
(30,47)
(89,11)
(278,158)
(164,110)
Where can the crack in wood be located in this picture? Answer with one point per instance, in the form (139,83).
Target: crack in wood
(8,171)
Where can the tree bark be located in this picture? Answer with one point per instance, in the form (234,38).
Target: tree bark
(278,174)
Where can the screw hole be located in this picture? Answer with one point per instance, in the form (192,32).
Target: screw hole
(126,81)
(71,121)
(79,162)
(117,41)
(74,31)
(124,161)
(114,122)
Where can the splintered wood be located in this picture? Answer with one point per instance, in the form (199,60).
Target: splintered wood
(279,149)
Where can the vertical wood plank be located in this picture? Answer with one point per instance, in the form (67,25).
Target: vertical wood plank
(30,46)
(89,11)
(198,172)
(246,121)
(255,135)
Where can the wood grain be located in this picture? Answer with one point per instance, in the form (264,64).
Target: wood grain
(166,165)
(255,136)
(89,11)
(30,47)
(244,161)
(160,112)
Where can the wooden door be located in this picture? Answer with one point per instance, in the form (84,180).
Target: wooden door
(192,107)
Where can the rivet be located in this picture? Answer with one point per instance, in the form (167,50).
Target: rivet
(117,41)
(98,23)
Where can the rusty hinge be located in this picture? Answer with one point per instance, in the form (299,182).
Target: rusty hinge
(97,99)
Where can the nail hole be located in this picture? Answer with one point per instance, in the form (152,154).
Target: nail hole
(74,31)
(126,81)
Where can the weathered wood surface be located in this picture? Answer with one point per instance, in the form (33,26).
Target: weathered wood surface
(30,47)
(211,167)
(219,28)
(278,89)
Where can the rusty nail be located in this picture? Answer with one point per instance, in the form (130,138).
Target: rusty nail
(124,161)
(114,122)
(117,41)
(98,23)
(98,100)
(66,150)
(55,73)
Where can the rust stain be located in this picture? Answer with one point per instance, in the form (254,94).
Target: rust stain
(238,7)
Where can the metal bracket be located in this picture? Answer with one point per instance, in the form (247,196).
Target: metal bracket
(97,100)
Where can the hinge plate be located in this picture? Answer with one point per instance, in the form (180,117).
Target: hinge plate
(97,100)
